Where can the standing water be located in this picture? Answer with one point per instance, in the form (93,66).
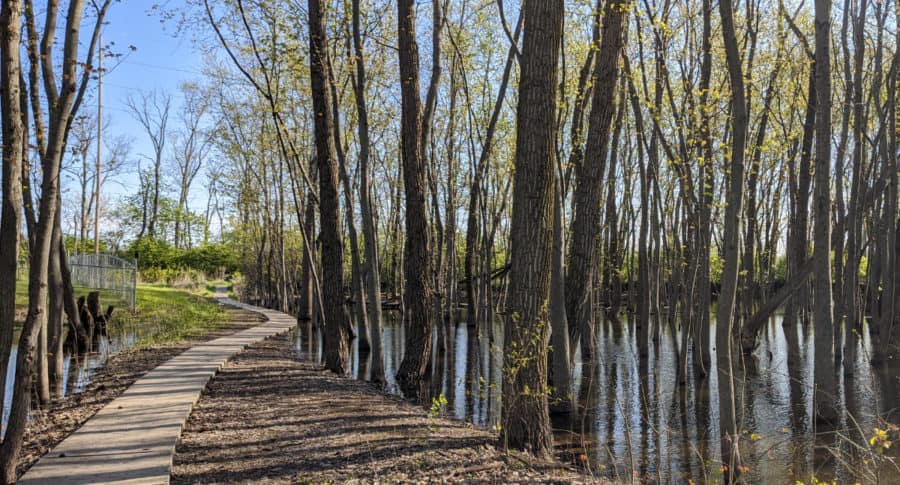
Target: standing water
(635,420)
(78,369)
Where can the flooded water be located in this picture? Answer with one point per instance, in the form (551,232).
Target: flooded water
(635,421)
(78,369)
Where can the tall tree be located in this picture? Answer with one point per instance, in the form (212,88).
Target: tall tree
(63,101)
(13,151)
(371,264)
(151,110)
(192,143)
(417,296)
(826,385)
(337,335)
(725,313)
(586,225)
(525,414)
(701,328)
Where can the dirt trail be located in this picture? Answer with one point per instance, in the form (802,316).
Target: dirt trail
(269,418)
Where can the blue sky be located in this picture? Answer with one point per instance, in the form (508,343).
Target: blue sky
(161,61)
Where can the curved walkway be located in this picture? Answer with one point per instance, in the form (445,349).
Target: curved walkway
(132,440)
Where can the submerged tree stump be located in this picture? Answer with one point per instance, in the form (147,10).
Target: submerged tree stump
(94,321)
(83,345)
(100,319)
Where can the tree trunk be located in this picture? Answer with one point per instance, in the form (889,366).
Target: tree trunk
(60,103)
(702,357)
(337,340)
(306,311)
(13,152)
(725,313)
(371,265)
(641,297)
(851,300)
(417,296)
(586,224)
(825,380)
(55,314)
(357,285)
(560,377)
(525,413)
(798,244)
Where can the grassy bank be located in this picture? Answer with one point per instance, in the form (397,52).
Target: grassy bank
(169,315)
(163,314)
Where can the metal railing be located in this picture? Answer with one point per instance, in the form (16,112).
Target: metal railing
(107,273)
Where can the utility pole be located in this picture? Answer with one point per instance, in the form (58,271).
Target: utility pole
(99,144)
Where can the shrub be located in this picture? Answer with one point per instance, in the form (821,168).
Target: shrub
(153,253)
(210,259)
(158,262)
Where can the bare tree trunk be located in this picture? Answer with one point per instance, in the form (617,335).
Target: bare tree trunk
(612,279)
(798,244)
(586,224)
(838,236)
(851,301)
(417,295)
(560,376)
(825,380)
(61,106)
(357,285)
(306,313)
(13,153)
(702,357)
(154,201)
(641,297)
(451,302)
(336,342)
(725,313)
(371,265)
(525,413)
(891,287)
(55,314)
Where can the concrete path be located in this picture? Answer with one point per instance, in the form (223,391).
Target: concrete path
(132,440)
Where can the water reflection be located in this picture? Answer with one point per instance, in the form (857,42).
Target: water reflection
(78,369)
(635,419)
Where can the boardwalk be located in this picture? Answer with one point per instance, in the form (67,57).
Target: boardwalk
(132,440)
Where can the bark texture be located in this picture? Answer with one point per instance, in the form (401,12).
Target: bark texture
(525,413)
(337,338)
(825,380)
(586,225)
(13,146)
(725,313)
(417,295)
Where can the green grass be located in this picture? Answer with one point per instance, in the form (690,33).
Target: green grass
(107,297)
(163,314)
(22,289)
(169,315)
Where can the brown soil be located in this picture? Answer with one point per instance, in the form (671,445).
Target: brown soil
(56,421)
(269,418)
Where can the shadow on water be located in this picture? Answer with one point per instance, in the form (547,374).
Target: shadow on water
(644,424)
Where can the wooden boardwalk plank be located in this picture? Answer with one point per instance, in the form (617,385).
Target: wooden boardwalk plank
(132,440)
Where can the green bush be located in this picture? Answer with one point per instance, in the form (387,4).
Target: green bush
(159,262)
(153,253)
(210,259)
(164,276)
